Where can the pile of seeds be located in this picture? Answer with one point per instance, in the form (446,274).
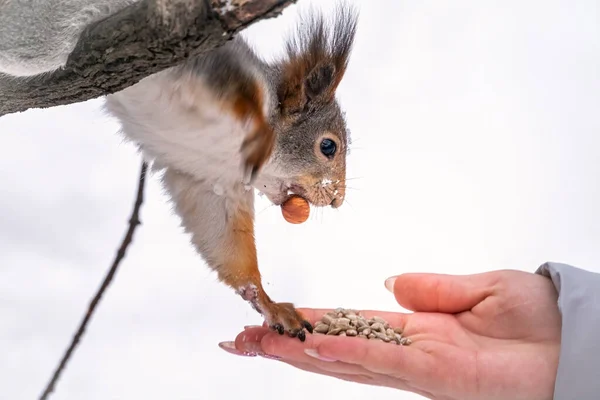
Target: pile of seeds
(342,322)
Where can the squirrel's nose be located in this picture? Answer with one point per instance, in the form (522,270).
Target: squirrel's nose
(338,196)
(337,202)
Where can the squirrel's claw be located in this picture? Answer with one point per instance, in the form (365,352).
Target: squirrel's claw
(306,325)
(299,333)
(279,328)
(280,317)
(283,317)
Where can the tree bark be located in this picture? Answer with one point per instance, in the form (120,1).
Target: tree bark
(140,40)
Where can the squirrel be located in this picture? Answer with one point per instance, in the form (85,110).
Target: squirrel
(223,124)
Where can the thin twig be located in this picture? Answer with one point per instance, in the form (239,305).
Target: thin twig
(134,221)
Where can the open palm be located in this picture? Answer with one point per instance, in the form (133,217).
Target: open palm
(487,336)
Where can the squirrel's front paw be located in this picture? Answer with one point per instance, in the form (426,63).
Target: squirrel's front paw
(283,317)
(256,150)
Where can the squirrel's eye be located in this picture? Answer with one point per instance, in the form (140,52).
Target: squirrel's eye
(328,147)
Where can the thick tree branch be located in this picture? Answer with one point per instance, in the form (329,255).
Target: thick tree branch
(140,40)
(134,221)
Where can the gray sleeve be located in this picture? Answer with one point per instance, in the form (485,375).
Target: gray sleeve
(578,374)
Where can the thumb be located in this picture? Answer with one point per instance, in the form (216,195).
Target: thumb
(440,293)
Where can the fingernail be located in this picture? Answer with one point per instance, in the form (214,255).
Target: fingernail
(256,348)
(252,326)
(252,347)
(230,348)
(313,353)
(389,283)
(269,356)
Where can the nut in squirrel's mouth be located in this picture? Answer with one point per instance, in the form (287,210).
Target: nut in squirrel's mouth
(284,193)
(298,191)
(318,191)
(315,198)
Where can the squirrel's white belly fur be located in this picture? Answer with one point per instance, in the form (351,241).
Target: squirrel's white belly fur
(182,124)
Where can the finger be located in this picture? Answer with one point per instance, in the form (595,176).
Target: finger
(403,362)
(441,293)
(358,378)
(368,378)
(249,343)
(249,340)
(295,351)
(331,367)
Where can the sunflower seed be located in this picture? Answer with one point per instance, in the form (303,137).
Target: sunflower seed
(342,322)
(321,328)
(333,330)
(380,320)
(361,323)
(383,337)
(366,331)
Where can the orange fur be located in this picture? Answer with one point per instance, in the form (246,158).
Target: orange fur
(240,271)
(247,104)
(239,264)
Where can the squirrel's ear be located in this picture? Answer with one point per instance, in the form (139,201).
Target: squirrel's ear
(316,60)
(319,80)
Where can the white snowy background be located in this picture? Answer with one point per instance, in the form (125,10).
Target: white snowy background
(476,130)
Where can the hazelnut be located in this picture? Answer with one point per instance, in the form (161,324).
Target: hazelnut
(295,209)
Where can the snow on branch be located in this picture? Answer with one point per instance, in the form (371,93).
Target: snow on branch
(138,41)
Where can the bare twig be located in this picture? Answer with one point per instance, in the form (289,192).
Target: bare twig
(134,221)
(140,40)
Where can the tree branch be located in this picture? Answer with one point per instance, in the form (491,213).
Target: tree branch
(134,221)
(138,41)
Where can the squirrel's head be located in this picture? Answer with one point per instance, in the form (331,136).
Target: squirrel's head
(309,158)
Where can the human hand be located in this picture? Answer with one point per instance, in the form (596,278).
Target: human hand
(494,335)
